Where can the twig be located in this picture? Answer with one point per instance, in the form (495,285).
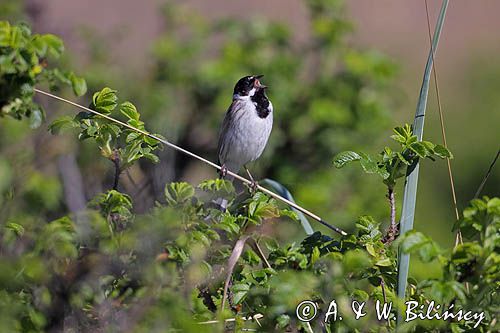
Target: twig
(481,186)
(393,228)
(187,152)
(392,203)
(382,285)
(116,161)
(255,246)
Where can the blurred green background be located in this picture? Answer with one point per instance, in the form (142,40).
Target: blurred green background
(341,76)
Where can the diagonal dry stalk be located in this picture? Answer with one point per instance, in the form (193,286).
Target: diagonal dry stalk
(458,238)
(187,152)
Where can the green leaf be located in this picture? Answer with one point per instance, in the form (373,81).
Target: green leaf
(16,228)
(413,240)
(368,165)
(283,321)
(152,157)
(178,193)
(228,224)
(62,124)
(442,152)
(419,149)
(129,110)
(356,261)
(105,100)
(315,255)
(403,135)
(345,157)
(217,185)
(54,44)
(4,33)
(402,158)
(15,37)
(78,84)
(360,295)
(370,249)
(429,146)
(399,138)
(240,291)
(132,136)
(384,262)
(416,242)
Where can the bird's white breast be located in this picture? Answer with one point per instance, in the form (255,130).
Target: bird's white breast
(249,134)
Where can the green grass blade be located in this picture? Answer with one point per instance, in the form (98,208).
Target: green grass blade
(283,191)
(410,189)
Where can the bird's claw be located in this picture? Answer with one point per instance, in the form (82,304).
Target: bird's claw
(223,171)
(254,186)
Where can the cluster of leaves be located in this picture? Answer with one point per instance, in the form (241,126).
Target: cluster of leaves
(24,62)
(102,271)
(122,145)
(471,274)
(393,164)
(166,269)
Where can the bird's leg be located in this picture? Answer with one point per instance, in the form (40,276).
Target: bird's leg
(254,185)
(223,171)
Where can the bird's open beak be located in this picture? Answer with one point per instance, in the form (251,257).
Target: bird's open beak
(257,83)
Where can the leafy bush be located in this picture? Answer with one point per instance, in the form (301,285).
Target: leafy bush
(24,61)
(185,265)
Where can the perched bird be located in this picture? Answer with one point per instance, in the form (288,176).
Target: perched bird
(246,126)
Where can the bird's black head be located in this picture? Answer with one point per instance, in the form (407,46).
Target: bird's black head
(248,85)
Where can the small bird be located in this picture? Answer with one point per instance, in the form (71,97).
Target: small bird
(246,126)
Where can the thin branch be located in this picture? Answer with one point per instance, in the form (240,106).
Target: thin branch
(483,182)
(393,228)
(256,247)
(187,152)
(392,203)
(458,239)
(382,285)
(116,161)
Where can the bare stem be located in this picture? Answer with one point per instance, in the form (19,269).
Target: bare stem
(382,285)
(392,231)
(392,203)
(116,161)
(256,247)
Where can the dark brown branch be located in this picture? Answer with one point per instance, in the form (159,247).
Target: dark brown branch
(116,161)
